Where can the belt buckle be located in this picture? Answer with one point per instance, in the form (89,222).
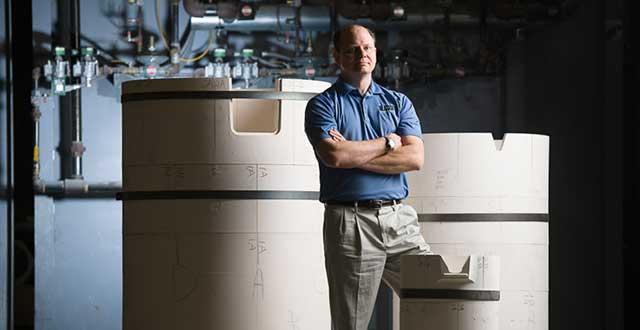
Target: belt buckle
(377,203)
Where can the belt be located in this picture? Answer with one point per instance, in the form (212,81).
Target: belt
(369,204)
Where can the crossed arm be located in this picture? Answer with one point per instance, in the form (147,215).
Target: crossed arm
(371,155)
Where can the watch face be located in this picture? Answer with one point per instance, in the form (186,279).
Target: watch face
(390,144)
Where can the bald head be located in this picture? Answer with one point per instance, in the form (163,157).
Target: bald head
(355,53)
(349,30)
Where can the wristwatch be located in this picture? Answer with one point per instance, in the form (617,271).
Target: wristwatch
(389,144)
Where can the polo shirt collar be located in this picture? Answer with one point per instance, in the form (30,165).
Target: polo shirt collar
(345,88)
(375,88)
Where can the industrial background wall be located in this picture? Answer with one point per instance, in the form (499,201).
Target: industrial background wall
(570,87)
(563,80)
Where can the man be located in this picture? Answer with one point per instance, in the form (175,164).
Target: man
(365,137)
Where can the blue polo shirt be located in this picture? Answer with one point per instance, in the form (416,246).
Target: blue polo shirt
(378,113)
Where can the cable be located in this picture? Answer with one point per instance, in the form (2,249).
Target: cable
(205,52)
(188,41)
(160,29)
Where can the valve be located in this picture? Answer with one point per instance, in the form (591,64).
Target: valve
(219,68)
(247,69)
(57,71)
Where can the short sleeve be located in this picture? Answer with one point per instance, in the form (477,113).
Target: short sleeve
(408,123)
(319,119)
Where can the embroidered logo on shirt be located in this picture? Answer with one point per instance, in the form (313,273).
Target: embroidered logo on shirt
(386,107)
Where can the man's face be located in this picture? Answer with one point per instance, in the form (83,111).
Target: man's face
(357,52)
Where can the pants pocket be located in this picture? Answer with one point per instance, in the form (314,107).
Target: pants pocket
(340,229)
(406,221)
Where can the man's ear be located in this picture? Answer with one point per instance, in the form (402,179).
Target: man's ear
(336,54)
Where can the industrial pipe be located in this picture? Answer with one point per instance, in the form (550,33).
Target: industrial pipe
(69,17)
(175,22)
(77,149)
(271,18)
(77,188)
(279,18)
(35,115)
(133,25)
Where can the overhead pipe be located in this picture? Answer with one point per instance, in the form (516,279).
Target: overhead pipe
(414,21)
(278,18)
(281,18)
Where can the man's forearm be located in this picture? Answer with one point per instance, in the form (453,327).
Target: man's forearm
(404,159)
(351,154)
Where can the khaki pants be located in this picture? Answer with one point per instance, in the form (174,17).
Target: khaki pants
(363,246)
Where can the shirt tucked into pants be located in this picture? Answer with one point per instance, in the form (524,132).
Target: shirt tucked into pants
(363,246)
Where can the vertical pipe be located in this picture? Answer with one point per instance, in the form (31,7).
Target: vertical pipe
(63,39)
(76,131)
(68,36)
(35,74)
(36,147)
(77,149)
(175,22)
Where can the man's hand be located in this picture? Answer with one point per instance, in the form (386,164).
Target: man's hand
(336,136)
(397,141)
